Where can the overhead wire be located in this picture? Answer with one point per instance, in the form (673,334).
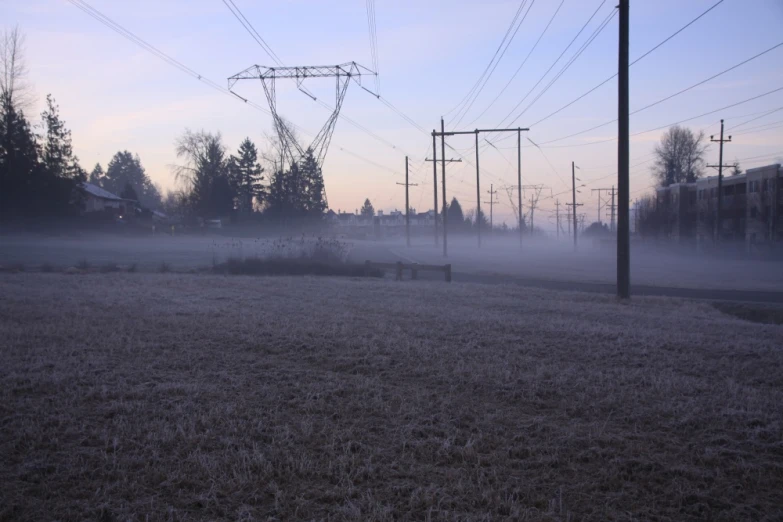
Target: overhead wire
(669,97)
(467,107)
(650,51)
(568,64)
(252,30)
(122,31)
(763,114)
(491,61)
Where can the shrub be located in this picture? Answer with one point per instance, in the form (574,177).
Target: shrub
(296,266)
(164,267)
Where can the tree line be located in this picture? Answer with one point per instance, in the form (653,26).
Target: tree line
(40,174)
(457,220)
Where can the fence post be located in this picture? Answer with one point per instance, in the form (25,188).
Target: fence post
(448,273)
(399,270)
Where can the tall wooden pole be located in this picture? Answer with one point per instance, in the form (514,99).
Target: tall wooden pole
(443,184)
(407,207)
(435,183)
(573,199)
(623,146)
(519,182)
(478,194)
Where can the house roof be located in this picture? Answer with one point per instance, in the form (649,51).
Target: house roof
(98,192)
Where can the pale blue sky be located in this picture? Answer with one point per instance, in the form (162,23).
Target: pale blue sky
(114,95)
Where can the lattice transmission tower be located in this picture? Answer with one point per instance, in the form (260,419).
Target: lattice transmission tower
(291,149)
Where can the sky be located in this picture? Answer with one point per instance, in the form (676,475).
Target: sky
(114,95)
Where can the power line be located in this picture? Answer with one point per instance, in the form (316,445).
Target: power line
(467,108)
(252,30)
(604,82)
(562,71)
(666,98)
(373,29)
(475,85)
(547,71)
(114,26)
(761,128)
(535,45)
(765,113)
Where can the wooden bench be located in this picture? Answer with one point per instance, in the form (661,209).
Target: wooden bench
(415,268)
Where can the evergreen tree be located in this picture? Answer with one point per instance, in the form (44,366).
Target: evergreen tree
(21,175)
(246,176)
(455,216)
(124,168)
(313,179)
(27,187)
(96,176)
(128,192)
(298,193)
(367,209)
(206,171)
(57,151)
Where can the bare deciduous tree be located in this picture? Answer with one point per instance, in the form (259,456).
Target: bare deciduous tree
(679,157)
(14,89)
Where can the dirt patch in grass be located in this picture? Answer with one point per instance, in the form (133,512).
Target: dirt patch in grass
(293,266)
(755,313)
(199,397)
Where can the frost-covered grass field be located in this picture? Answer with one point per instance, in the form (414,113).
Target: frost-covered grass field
(195,397)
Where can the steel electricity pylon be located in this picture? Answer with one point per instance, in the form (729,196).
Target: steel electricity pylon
(291,149)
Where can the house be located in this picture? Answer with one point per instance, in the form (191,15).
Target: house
(347,219)
(97,199)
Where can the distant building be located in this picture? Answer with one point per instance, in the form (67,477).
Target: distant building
(751,208)
(97,199)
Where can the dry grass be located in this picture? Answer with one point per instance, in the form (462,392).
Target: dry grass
(179,397)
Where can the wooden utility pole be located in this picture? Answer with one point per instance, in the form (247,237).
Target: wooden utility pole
(720,165)
(478,194)
(435,182)
(599,190)
(434,161)
(532,211)
(557,217)
(443,184)
(407,205)
(491,203)
(623,145)
(573,199)
(612,222)
(519,181)
(518,130)
(572,219)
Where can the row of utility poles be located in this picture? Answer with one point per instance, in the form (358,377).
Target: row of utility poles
(611,191)
(444,213)
(623,189)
